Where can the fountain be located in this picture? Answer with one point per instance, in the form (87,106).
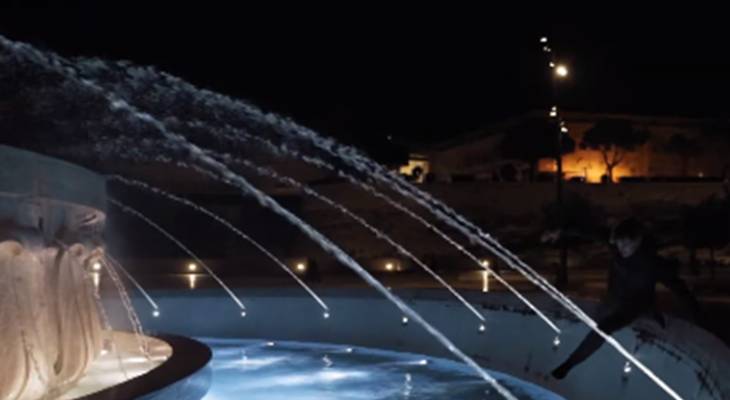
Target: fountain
(54,232)
(54,329)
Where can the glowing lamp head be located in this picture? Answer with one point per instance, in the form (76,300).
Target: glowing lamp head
(561,71)
(485,263)
(192,267)
(404,320)
(389,266)
(301,267)
(96,266)
(156,313)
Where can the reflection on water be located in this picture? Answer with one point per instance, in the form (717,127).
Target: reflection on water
(260,370)
(192,279)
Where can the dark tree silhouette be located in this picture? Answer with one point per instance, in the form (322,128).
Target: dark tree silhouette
(685,148)
(707,225)
(613,138)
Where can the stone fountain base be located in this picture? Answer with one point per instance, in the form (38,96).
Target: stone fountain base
(120,361)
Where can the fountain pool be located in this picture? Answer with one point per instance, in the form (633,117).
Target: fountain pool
(268,370)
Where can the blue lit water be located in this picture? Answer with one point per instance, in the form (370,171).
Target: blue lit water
(261,370)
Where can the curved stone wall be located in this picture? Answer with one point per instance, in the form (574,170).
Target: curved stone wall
(691,360)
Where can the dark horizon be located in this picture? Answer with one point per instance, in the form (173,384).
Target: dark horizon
(417,82)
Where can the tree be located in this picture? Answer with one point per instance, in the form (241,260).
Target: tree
(707,225)
(532,140)
(684,147)
(716,135)
(613,138)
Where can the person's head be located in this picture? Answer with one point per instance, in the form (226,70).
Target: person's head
(627,237)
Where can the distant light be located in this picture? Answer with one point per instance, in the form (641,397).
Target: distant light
(96,266)
(404,320)
(348,350)
(485,263)
(552,64)
(701,174)
(556,341)
(627,368)
(485,281)
(301,267)
(482,328)
(389,266)
(546,49)
(192,267)
(563,129)
(326,315)
(561,71)
(243,314)
(553,113)
(270,344)
(104,352)
(156,313)
(543,39)
(423,362)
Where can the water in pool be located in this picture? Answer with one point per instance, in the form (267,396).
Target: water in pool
(261,370)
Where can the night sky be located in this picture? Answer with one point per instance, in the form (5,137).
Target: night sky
(362,75)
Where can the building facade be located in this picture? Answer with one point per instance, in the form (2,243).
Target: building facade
(477,155)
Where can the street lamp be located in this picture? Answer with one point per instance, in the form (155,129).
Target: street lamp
(561,71)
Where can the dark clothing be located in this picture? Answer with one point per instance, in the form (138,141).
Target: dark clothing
(613,322)
(631,294)
(632,281)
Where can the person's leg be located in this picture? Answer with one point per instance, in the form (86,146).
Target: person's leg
(593,341)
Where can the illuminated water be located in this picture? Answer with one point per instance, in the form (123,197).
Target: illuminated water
(260,370)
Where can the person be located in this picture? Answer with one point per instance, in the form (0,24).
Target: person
(631,289)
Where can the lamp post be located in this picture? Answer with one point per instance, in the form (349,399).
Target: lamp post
(558,72)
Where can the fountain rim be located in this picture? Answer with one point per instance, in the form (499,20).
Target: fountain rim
(189,357)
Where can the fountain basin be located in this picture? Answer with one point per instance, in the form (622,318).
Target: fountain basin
(514,342)
(177,369)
